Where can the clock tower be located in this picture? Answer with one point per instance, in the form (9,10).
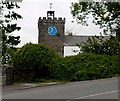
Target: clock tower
(51,32)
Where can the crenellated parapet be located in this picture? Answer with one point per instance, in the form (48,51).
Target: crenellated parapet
(48,20)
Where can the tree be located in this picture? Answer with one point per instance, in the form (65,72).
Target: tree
(105,14)
(7,27)
(99,45)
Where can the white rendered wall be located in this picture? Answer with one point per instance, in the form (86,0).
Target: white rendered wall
(69,50)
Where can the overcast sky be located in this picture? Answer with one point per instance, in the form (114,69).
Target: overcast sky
(31,10)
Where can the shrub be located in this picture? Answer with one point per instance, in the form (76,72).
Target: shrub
(91,66)
(35,56)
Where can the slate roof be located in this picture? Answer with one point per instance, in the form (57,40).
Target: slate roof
(73,40)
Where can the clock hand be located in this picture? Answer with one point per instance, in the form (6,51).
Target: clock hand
(51,30)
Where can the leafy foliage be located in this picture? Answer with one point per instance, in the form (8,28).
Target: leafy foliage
(6,27)
(105,14)
(47,64)
(99,45)
(35,56)
(88,66)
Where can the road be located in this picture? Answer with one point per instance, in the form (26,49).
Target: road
(94,89)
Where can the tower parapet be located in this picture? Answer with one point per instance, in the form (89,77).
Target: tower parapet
(49,20)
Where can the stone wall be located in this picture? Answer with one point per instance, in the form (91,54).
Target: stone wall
(55,42)
(7,75)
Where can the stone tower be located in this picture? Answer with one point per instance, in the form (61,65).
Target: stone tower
(51,32)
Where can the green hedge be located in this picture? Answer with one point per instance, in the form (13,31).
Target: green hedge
(91,66)
(35,56)
(47,63)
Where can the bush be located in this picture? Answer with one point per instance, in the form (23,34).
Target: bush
(35,56)
(91,66)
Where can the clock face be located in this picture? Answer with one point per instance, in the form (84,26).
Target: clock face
(52,30)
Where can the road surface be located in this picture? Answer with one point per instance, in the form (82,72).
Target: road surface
(94,89)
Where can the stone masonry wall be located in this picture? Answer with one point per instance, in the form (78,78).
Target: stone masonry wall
(7,75)
(55,42)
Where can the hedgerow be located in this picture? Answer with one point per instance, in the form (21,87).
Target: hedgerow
(89,66)
(46,63)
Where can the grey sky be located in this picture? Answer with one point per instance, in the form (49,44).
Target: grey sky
(31,10)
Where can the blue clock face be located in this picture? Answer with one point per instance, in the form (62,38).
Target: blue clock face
(52,30)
